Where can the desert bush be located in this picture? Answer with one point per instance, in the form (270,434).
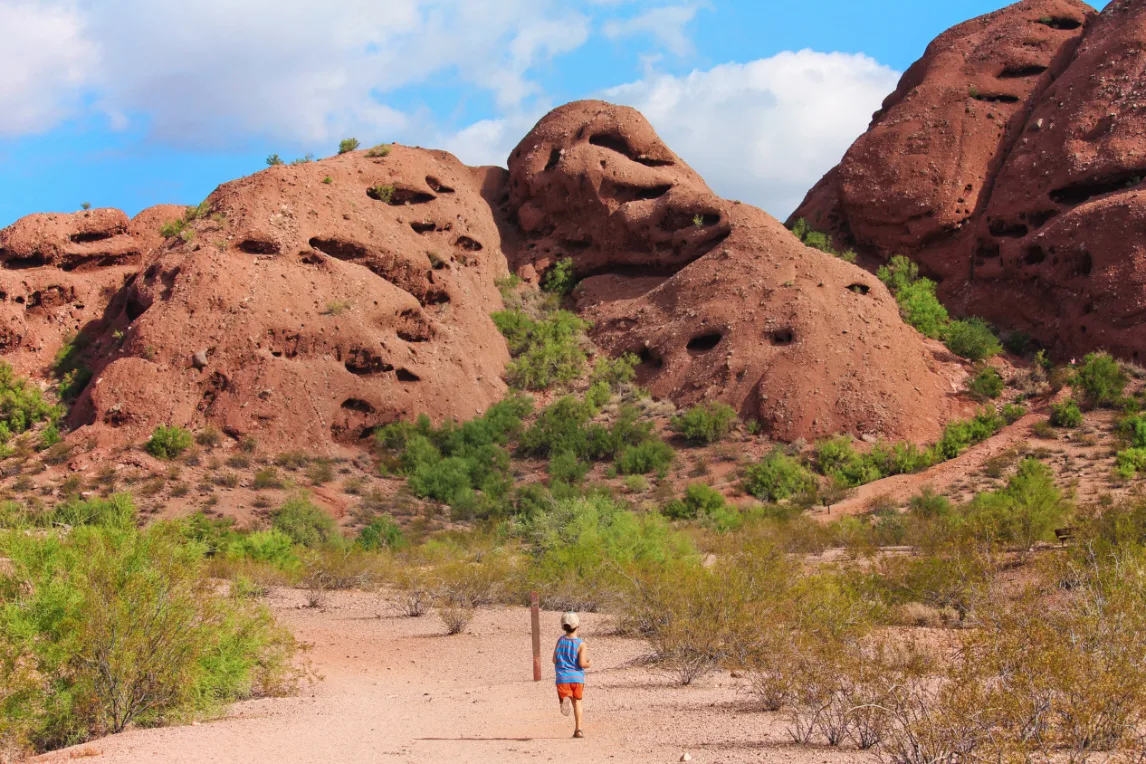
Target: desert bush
(1013,412)
(168,442)
(1101,379)
(266,478)
(304,523)
(972,338)
(809,237)
(1066,415)
(614,372)
(1129,462)
(320,472)
(1027,510)
(918,304)
(381,533)
(347,145)
(837,459)
(986,384)
(567,468)
(208,437)
(117,511)
(119,627)
(699,500)
(546,351)
(961,434)
(560,279)
(413,594)
(706,423)
(647,457)
(22,405)
(379,151)
(273,548)
(777,477)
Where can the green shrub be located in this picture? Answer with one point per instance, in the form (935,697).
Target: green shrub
(644,458)
(837,458)
(1013,412)
(560,279)
(987,383)
(347,145)
(450,463)
(1130,462)
(777,477)
(304,523)
(168,442)
(614,372)
(117,511)
(381,533)
(706,423)
(268,477)
(921,309)
(929,504)
(274,160)
(812,238)
(973,339)
(272,547)
(113,628)
(70,368)
(567,468)
(384,194)
(545,352)
(1101,379)
(960,435)
(22,405)
(699,500)
(1026,511)
(379,151)
(560,428)
(1065,414)
(918,304)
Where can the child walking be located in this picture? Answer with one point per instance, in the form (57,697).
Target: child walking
(571,659)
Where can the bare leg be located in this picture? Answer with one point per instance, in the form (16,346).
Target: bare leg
(577,714)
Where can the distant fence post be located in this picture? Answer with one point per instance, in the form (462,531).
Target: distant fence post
(535,619)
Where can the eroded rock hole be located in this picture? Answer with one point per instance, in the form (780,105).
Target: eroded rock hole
(468,244)
(618,143)
(1008,230)
(36,260)
(629,192)
(215,386)
(1085,264)
(436,297)
(405,375)
(784,336)
(554,158)
(357,404)
(859,288)
(703,343)
(1020,72)
(88,238)
(987,250)
(404,196)
(338,249)
(1080,193)
(259,247)
(1040,218)
(1064,23)
(995,97)
(424,226)
(414,327)
(365,363)
(437,186)
(1035,255)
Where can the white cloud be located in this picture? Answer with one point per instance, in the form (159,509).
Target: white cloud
(297,70)
(666,25)
(764,132)
(44,61)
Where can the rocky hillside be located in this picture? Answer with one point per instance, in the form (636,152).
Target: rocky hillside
(312,303)
(1010,164)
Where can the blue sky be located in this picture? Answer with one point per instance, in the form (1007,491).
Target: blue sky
(129,103)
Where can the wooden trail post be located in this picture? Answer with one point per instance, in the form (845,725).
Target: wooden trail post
(535,619)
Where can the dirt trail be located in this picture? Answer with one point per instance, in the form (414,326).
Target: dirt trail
(396,689)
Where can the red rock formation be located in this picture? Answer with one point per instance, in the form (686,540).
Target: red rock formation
(719,300)
(1039,225)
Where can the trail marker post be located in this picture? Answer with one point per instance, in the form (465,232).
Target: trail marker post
(535,619)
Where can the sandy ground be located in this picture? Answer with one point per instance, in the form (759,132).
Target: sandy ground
(397,689)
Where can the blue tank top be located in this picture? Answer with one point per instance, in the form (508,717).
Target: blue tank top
(568,671)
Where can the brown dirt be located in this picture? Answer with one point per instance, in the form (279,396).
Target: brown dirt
(717,298)
(1009,163)
(397,689)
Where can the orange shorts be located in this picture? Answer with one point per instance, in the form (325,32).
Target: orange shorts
(570,690)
